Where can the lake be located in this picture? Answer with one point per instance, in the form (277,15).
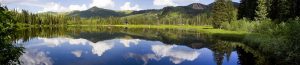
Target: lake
(127,46)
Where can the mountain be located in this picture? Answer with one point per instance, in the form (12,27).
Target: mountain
(146,11)
(96,12)
(170,11)
(197,6)
(190,10)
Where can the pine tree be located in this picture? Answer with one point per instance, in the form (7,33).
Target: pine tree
(261,11)
(247,9)
(282,10)
(297,8)
(222,12)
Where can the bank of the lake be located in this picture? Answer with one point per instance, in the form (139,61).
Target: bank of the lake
(203,29)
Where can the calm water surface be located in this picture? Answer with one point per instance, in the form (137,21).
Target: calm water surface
(69,51)
(123,46)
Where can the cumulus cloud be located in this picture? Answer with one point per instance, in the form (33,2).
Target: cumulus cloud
(172,2)
(102,3)
(34,57)
(127,6)
(97,48)
(53,42)
(164,3)
(16,1)
(176,54)
(78,7)
(77,53)
(100,47)
(127,42)
(56,7)
(144,57)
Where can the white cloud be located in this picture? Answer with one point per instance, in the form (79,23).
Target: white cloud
(16,1)
(144,57)
(102,3)
(173,2)
(78,7)
(126,42)
(77,53)
(56,7)
(35,57)
(97,48)
(127,6)
(176,54)
(164,3)
(100,47)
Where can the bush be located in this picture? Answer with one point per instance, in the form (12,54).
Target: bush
(280,40)
(239,25)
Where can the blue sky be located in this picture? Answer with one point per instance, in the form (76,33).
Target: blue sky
(70,5)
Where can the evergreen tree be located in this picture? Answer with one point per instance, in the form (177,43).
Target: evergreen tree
(261,11)
(282,10)
(223,11)
(247,9)
(297,7)
(26,16)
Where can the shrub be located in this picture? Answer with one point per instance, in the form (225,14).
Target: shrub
(239,25)
(280,40)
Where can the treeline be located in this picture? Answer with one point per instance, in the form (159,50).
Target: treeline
(25,18)
(143,19)
(255,10)
(277,10)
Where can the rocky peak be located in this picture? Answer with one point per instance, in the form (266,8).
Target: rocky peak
(198,6)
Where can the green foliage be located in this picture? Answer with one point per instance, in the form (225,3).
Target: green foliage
(239,25)
(222,11)
(277,10)
(282,10)
(261,10)
(280,40)
(9,53)
(186,11)
(247,9)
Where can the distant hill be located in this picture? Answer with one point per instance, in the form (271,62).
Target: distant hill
(146,11)
(96,12)
(170,11)
(190,10)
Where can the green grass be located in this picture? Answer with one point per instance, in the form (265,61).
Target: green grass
(203,29)
(219,33)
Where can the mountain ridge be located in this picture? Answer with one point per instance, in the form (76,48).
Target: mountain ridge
(189,10)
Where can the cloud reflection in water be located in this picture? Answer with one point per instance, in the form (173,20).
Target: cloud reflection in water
(157,50)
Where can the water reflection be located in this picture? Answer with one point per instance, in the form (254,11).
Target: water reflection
(65,51)
(35,57)
(176,53)
(135,46)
